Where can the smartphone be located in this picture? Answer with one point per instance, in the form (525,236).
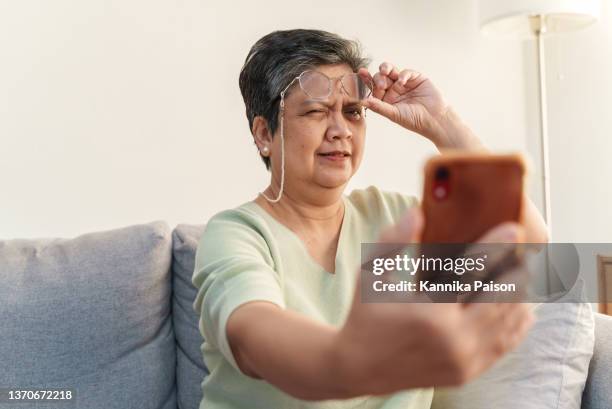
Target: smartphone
(466,194)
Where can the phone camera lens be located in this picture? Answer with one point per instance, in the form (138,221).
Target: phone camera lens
(442,173)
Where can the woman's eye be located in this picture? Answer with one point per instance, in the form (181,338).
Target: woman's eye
(354,113)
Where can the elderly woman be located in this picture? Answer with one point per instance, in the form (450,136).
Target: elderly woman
(277,275)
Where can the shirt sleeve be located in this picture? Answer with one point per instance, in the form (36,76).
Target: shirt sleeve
(233,266)
(385,206)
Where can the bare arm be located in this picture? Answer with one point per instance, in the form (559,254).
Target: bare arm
(454,134)
(288,350)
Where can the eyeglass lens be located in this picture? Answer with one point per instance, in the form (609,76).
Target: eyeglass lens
(318,85)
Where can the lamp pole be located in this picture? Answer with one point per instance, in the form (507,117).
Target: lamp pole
(538,24)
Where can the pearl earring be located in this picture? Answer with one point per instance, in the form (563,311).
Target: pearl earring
(265,151)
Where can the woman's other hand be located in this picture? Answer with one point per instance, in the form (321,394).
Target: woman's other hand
(410,99)
(386,347)
(406,97)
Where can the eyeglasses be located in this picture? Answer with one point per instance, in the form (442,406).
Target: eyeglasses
(317,85)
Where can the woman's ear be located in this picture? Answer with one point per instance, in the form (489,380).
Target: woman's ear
(261,135)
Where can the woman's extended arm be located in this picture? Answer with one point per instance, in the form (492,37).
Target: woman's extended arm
(382,347)
(288,350)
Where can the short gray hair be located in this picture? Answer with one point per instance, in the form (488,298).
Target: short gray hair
(280,56)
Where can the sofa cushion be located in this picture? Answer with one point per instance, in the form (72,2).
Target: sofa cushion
(597,390)
(548,370)
(190,370)
(90,313)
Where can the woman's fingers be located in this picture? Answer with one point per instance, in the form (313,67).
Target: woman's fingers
(501,328)
(374,102)
(389,70)
(384,79)
(505,324)
(381,84)
(486,315)
(508,334)
(388,78)
(407,80)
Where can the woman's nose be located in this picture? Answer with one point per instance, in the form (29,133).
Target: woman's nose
(338,127)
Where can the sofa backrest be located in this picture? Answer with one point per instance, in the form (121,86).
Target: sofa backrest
(597,389)
(92,314)
(190,369)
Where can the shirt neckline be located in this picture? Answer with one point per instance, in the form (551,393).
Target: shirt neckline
(291,233)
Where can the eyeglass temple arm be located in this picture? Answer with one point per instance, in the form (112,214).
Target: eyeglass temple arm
(282,94)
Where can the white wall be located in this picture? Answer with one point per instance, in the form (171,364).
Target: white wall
(580,108)
(121,112)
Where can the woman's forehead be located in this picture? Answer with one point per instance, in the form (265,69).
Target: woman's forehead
(334,70)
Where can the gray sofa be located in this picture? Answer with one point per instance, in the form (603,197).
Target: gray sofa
(109,315)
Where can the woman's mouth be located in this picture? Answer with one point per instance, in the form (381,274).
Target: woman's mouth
(335,155)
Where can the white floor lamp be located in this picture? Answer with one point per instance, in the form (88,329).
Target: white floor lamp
(538,18)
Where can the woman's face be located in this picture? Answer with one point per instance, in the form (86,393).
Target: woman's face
(324,139)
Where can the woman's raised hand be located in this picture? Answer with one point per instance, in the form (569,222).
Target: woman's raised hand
(408,98)
(386,347)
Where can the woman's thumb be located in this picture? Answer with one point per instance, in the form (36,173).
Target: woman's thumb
(380,107)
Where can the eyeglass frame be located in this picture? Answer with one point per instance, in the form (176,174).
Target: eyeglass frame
(282,94)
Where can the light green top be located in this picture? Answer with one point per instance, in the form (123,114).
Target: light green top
(245,254)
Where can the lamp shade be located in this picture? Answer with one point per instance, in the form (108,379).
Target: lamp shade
(512,16)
